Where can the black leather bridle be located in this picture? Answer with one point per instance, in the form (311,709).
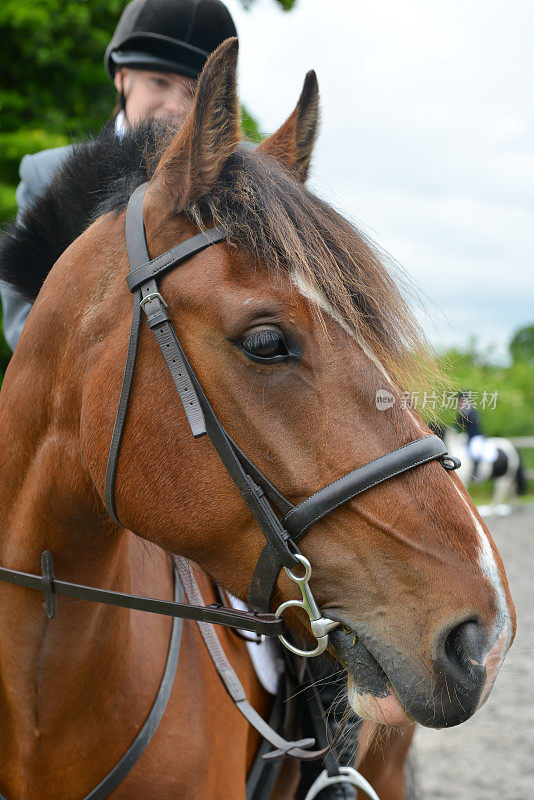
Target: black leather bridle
(282,527)
(282,530)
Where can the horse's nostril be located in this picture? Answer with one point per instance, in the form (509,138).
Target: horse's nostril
(462,650)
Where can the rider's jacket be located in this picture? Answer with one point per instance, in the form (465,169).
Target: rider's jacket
(469,421)
(36,172)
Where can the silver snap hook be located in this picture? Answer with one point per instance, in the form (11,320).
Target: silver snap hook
(320,626)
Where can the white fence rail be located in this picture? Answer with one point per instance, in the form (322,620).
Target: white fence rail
(523,441)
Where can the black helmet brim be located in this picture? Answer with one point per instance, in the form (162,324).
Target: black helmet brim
(157,52)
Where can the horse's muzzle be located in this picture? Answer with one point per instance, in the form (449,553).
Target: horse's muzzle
(447,692)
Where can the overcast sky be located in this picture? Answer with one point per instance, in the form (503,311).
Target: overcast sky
(427,138)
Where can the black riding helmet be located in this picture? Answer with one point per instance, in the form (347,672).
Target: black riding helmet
(168,35)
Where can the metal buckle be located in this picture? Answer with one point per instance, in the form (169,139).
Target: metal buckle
(320,625)
(346,775)
(152,296)
(449,462)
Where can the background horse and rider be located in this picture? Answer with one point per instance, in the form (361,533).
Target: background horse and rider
(483,458)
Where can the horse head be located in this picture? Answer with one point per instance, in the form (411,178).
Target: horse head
(294,327)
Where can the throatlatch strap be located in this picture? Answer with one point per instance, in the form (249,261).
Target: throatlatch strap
(120,419)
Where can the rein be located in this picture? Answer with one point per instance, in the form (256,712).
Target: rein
(281,522)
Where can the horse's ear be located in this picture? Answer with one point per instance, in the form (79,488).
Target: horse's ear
(292,144)
(209,134)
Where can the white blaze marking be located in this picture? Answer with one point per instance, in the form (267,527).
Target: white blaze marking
(488,565)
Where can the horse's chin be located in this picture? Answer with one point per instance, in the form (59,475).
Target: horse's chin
(385,710)
(370,692)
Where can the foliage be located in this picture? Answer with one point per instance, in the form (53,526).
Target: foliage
(52,83)
(522,345)
(250,126)
(287,5)
(53,87)
(475,371)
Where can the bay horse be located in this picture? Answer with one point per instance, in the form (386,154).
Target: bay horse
(292,325)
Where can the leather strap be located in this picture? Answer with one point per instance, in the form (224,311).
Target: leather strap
(264,579)
(266,624)
(120,418)
(271,492)
(199,412)
(160,323)
(263,774)
(173,257)
(301,517)
(47,584)
(298,749)
(142,740)
(381,469)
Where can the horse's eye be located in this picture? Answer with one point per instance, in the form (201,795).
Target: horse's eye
(265,344)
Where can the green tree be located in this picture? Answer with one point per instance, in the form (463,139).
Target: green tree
(522,345)
(53,87)
(512,386)
(52,83)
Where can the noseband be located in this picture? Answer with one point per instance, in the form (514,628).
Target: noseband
(282,530)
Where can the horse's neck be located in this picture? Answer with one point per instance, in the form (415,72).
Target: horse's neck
(57,674)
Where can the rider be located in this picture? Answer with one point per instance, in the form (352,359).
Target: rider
(154,59)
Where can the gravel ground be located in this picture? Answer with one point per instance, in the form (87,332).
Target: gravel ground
(491,757)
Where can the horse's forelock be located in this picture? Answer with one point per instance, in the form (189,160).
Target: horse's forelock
(288,229)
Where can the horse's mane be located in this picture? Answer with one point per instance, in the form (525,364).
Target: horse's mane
(30,246)
(281,224)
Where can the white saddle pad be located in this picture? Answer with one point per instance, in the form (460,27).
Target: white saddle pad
(265,657)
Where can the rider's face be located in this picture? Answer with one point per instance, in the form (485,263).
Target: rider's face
(154,94)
